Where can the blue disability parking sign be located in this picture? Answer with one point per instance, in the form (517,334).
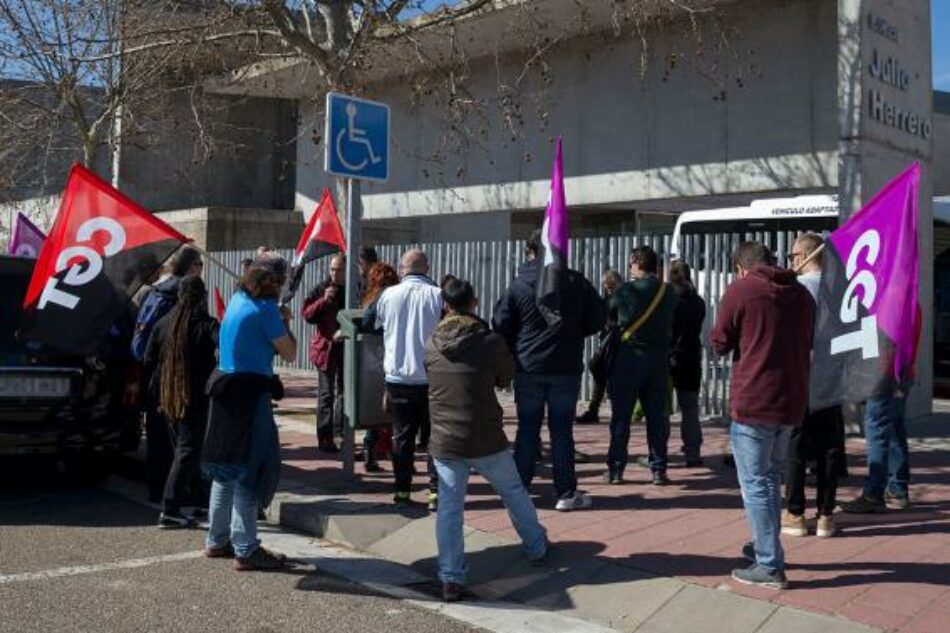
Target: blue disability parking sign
(357,138)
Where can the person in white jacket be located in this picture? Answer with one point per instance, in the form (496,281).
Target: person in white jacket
(408,313)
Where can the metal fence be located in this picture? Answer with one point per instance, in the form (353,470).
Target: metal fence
(491,265)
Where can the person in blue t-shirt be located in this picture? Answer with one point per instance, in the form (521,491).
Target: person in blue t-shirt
(242,452)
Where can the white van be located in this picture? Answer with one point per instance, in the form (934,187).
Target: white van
(803,213)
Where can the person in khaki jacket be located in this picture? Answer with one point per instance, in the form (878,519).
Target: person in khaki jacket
(465,361)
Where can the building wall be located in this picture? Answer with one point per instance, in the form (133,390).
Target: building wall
(760,120)
(941,151)
(241,155)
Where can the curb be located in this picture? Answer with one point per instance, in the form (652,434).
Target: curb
(598,591)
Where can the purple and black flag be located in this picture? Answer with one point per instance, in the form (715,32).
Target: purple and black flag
(868,319)
(26,240)
(554,244)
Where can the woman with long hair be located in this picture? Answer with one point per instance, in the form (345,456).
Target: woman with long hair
(379,277)
(686,355)
(242,451)
(181,355)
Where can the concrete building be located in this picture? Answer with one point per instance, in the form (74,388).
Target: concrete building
(799,96)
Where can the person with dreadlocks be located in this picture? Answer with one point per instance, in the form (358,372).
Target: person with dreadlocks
(181,355)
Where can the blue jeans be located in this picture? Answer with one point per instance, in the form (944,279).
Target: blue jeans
(237,490)
(638,376)
(888,455)
(761,452)
(559,392)
(499,470)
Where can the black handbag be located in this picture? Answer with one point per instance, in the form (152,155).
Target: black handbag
(602,359)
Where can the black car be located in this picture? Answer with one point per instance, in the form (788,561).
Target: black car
(56,403)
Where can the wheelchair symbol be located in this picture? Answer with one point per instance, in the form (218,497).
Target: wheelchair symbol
(353,135)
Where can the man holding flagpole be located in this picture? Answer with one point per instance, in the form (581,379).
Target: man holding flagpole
(545,316)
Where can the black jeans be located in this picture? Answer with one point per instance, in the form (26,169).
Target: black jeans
(408,408)
(158,453)
(185,485)
(818,438)
(330,403)
(640,376)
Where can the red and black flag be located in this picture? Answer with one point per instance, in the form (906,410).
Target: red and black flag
(220,307)
(323,236)
(101,249)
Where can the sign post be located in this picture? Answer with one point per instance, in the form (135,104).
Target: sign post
(357,148)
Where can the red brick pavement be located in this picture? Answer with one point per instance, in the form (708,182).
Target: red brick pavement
(890,571)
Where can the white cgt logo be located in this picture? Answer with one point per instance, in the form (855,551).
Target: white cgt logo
(865,337)
(88,264)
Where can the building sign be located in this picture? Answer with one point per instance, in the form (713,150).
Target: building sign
(890,75)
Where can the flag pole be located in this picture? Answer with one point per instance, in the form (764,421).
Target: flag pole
(215,260)
(815,253)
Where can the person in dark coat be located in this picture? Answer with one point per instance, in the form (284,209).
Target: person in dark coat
(599,368)
(180,357)
(465,362)
(686,356)
(549,359)
(320,308)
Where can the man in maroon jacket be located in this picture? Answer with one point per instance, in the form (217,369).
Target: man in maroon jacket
(765,320)
(320,308)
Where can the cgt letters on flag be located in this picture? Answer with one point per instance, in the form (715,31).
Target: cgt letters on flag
(101,249)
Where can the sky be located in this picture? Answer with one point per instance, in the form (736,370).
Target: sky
(940,24)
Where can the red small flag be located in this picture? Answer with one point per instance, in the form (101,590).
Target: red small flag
(219,304)
(323,235)
(101,249)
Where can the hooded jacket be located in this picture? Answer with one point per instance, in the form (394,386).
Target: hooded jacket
(766,321)
(465,361)
(540,347)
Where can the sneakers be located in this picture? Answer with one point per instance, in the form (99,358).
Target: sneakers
(660,478)
(199,514)
(896,502)
(613,477)
(403,501)
(433,502)
(863,505)
(225,551)
(793,524)
(589,417)
(452,591)
(826,527)
(261,560)
(174,521)
(761,577)
(578,500)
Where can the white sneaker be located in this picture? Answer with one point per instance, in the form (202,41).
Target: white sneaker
(580,500)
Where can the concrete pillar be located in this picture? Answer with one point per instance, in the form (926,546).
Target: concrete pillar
(885,109)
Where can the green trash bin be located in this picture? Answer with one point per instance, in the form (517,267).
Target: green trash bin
(363,379)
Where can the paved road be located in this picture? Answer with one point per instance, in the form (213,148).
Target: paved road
(76,558)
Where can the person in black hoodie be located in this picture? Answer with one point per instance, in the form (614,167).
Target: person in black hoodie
(181,355)
(549,359)
(686,356)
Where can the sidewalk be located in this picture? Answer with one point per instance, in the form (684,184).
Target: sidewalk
(647,558)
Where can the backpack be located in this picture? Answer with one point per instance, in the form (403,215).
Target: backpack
(155,305)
